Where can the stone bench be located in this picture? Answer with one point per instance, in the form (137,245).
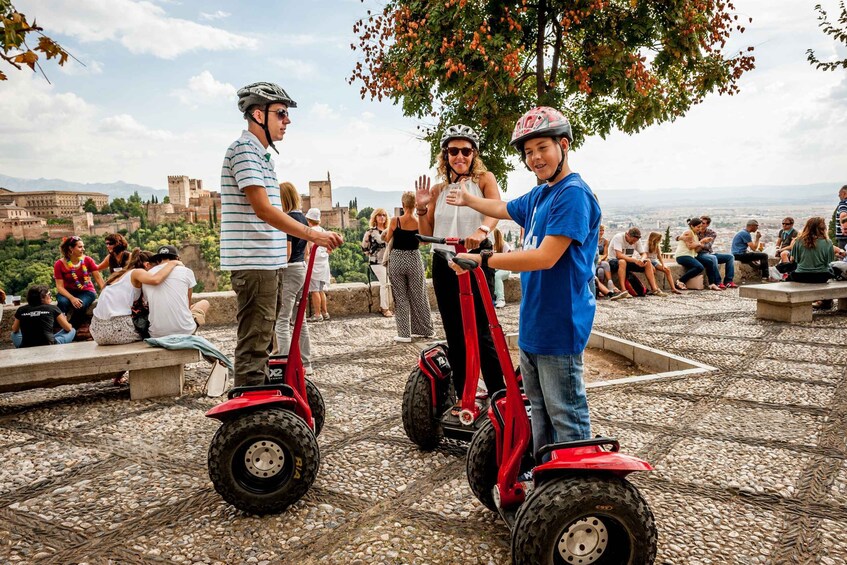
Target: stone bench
(153,371)
(792,302)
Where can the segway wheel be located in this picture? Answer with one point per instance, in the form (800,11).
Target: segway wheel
(263,461)
(316,404)
(481,464)
(589,520)
(420,421)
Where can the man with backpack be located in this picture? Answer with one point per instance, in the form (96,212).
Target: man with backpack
(627,255)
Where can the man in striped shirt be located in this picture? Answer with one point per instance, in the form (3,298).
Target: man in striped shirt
(254,227)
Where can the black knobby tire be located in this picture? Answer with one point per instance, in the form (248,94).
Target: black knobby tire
(481,464)
(316,404)
(420,422)
(278,439)
(614,520)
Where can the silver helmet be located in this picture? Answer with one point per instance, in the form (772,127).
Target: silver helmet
(460,131)
(262,94)
(838,269)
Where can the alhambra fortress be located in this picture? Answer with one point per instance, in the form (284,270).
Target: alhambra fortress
(26,214)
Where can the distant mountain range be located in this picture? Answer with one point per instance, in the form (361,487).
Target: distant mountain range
(118,189)
(611,200)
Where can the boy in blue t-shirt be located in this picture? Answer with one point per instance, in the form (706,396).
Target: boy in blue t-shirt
(561,221)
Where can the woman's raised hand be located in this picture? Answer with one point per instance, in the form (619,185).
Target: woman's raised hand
(423,194)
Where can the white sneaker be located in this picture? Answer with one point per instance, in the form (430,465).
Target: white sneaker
(309,370)
(500,304)
(622,295)
(401,339)
(315,318)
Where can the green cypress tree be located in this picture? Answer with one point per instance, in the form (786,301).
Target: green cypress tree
(666,241)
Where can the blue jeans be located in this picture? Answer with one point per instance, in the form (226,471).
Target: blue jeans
(556,392)
(61,337)
(86,296)
(692,267)
(711,261)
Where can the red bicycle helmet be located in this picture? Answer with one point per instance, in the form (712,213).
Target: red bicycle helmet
(541,121)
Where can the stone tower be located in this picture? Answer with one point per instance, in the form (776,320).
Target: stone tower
(320,193)
(179,190)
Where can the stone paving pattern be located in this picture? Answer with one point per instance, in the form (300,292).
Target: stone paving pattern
(750,459)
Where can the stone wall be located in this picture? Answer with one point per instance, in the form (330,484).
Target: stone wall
(351,299)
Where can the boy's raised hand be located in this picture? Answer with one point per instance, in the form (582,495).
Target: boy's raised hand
(456,196)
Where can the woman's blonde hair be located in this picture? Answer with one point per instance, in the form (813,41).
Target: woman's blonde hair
(289,196)
(498,240)
(408,199)
(375,213)
(653,242)
(477,166)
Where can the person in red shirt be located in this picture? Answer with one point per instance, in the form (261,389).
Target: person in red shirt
(74,274)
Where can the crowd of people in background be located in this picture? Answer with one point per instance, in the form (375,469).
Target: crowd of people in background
(145,294)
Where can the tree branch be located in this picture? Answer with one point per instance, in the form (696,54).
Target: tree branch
(540,83)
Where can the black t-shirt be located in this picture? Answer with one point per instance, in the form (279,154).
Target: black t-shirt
(298,246)
(37,324)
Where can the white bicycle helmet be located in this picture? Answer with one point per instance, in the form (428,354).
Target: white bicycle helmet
(460,131)
(263,94)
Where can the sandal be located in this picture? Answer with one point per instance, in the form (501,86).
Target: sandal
(681,285)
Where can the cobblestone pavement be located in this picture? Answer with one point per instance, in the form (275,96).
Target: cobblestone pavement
(750,459)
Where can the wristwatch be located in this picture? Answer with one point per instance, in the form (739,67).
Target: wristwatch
(484,228)
(486,255)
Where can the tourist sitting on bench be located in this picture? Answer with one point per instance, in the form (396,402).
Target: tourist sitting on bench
(811,255)
(747,248)
(34,323)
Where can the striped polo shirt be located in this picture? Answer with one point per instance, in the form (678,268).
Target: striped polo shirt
(246,241)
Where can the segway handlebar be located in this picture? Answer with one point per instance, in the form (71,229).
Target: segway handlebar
(441,240)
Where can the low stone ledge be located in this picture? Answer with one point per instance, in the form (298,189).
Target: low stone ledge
(343,299)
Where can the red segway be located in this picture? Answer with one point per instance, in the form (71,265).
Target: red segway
(578,508)
(429,396)
(265,456)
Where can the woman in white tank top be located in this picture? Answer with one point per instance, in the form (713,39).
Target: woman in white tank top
(112,321)
(459,162)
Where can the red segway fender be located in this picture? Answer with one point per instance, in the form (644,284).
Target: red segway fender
(589,458)
(434,364)
(249,401)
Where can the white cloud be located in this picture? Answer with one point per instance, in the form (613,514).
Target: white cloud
(124,124)
(140,26)
(204,88)
(297,68)
(323,111)
(216,15)
(86,68)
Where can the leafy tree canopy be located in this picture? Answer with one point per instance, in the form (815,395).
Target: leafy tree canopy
(837,33)
(609,64)
(16,34)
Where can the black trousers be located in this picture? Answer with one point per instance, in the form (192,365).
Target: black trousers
(446,285)
(750,257)
(809,277)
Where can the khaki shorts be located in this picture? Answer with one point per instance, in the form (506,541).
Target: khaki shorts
(199,315)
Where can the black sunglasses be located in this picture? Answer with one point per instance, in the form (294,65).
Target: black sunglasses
(281,114)
(465,151)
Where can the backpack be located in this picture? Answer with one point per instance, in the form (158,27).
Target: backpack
(634,286)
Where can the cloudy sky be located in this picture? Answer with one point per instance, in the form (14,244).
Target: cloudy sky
(156,98)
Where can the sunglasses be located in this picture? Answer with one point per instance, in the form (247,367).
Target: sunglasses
(787,223)
(465,151)
(281,114)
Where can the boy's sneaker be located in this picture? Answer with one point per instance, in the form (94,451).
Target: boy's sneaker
(722,286)
(731,285)
(315,318)
(500,304)
(622,295)
(401,339)
(326,316)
